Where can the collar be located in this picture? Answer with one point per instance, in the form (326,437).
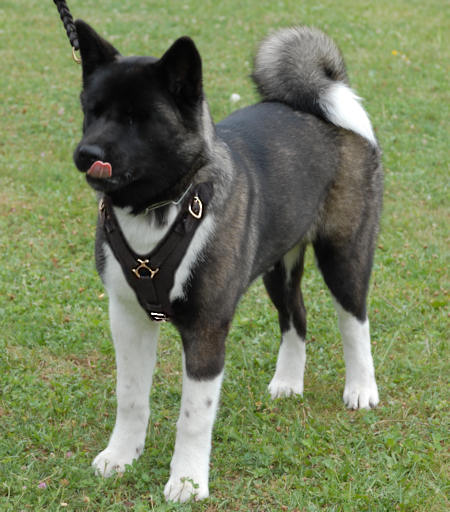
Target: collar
(168,202)
(151,275)
(177,195)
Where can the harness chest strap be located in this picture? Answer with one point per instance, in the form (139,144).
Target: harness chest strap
(151,276)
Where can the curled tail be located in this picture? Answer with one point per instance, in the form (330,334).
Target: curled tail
(304,68)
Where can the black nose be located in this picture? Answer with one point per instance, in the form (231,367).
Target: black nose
(86,154)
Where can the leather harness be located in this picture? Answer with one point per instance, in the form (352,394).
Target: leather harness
(151,276)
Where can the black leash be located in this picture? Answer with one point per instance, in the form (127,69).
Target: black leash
(69,25)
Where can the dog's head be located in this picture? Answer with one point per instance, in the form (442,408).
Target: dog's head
(143,129)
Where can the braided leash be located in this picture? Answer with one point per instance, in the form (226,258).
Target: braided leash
(69,25)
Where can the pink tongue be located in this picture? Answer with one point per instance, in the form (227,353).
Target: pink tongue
(100,170)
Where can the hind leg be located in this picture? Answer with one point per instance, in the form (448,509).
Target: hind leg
(283,286)
(360,390)
(346,270)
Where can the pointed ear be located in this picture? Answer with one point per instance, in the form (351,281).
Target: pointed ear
(182,69)
(94,50)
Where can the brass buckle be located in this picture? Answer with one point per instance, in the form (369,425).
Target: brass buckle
(143,266)
(158,317)
(196,202)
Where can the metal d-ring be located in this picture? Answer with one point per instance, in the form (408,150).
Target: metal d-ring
(196,202)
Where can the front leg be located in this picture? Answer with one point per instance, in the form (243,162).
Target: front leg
(203,363)
(135,341)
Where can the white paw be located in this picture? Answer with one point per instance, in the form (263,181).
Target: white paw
(361,395)
(181,489)
(280,388)
(112,460)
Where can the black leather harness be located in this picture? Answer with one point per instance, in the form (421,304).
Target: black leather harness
(151,276)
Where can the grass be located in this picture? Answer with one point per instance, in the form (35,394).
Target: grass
(57,364)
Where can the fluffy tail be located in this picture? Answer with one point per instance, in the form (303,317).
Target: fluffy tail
(304,68)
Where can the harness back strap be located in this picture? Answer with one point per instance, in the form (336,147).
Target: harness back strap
(151,276)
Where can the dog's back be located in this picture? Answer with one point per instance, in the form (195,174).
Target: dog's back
(303,147)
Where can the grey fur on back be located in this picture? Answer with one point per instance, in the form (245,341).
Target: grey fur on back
(297,66)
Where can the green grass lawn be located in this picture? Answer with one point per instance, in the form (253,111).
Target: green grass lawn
(57,374)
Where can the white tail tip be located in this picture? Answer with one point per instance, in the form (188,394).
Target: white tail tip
(343,108)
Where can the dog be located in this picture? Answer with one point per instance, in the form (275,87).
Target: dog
(228,203)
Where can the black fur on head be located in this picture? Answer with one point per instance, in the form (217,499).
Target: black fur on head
(182,67)
(142,115)
(95,51)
